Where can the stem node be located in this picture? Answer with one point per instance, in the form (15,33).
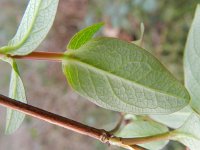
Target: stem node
(104,138)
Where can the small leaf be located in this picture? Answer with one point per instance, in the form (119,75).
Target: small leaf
(83,36)
(121,76)
(189,133)
(35,25)
(192,61)
(139,42)
(143,129)
(16,91)
(174,120)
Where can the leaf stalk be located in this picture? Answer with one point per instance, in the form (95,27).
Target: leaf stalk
(49,56)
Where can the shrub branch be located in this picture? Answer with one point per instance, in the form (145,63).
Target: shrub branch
(99,134)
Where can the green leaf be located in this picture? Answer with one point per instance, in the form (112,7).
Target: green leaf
(83,36)
(174,120)
(35,25)
(16,91)
(192,61)
(121,76)
(189,133)
(143,129)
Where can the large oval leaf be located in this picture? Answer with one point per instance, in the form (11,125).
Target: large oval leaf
(143,129)
(192,61)
(35,25)
(121,76)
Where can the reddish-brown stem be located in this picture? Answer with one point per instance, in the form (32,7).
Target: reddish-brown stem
(50,56)
(54,119)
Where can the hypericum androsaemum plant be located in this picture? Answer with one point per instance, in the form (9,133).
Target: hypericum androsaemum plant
(115,75)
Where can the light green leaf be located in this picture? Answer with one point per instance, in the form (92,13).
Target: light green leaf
(189,133)
(174,120)
(192,61)
(35,25)
(139,42)
(143,129)
(83,36)
(16,91)
(121,76)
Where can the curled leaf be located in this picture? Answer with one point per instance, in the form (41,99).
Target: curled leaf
(139,42)
(16,91)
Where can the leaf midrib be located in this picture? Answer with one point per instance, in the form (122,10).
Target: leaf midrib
(116,76)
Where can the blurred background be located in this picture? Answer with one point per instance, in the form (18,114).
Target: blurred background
(166,26)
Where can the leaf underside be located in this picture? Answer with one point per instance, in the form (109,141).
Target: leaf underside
(36,23)
(192,61)
(144,129)
(16,91)
(174,120)
(121,76)
(188,134)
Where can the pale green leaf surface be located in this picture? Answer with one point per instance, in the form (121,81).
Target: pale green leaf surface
(174,120)
(143,129)
(192,61)
(189,133)
(83,36)
(35,25)
(16,91)
(121,76)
